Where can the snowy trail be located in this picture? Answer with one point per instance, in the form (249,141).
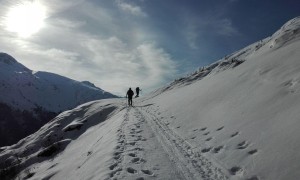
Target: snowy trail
(149,149)
(138,155)
(191,162)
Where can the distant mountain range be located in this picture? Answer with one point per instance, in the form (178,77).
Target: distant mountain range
(29,99)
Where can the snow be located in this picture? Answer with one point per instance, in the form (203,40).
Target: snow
(24,89)
(29,98)
(224,121)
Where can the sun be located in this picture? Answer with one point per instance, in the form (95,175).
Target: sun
(26,19)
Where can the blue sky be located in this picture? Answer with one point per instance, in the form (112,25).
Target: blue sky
(117,44)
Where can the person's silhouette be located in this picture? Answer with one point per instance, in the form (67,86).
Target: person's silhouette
(137,90)
(129,95)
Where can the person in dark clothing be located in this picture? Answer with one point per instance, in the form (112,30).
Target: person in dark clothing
(129,95)
(137,90)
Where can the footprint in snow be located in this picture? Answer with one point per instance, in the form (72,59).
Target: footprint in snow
(252,151)
(113,166)
(219,129)
(234,134)
(217,149)
(121,140)
(193,137)
(115,172)
(137,126)
(195,129)
(89,153)
(235,170)
(148,172)
(203,129)
(243,145)
(208,139)
(136,149)
(117,157)
(132,154)
(138,160)
(178,127)
(205,150)
(118,153)
(131,170)
(132,143)
(207,133)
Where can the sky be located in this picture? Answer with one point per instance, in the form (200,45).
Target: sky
(117,44)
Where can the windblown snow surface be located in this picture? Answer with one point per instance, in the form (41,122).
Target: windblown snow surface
(235,119)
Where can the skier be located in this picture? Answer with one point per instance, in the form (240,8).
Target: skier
(129,95)
(137,90)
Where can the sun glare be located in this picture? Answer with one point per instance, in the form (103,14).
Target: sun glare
(26,19)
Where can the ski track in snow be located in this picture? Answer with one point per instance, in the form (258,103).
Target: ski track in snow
(190,161)
(130,160)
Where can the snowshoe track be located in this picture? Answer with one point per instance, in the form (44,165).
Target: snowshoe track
(129,158)
(191,163)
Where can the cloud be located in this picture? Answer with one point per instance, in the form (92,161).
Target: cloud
(88,42)
(109,62)
(145,65)
(192,35)
(208,26)
(56,6)
(224,27)
(130,8)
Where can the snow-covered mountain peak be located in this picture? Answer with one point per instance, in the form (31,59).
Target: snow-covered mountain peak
(29,99)
(290,31)
(290,25)
(25,89)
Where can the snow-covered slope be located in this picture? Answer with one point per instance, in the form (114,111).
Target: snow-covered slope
(26,89)
(30,99)
(236,122)
(287,34)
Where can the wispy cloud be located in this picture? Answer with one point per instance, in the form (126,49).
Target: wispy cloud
(192,34)
(208,26)
(113,60)
(131,8)
(224,27)
(144,65)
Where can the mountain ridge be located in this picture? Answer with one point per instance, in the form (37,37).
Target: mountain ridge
(236,122)
(29,99)
(288,33)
